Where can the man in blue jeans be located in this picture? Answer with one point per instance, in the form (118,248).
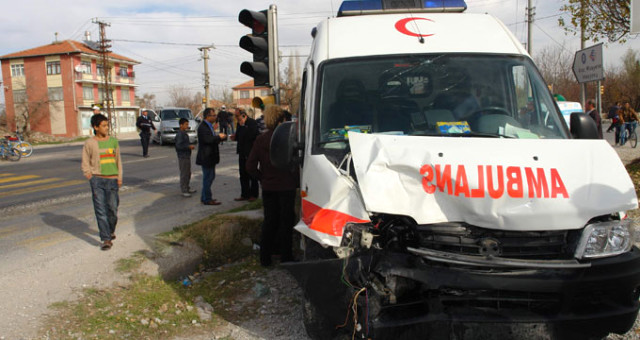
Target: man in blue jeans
(208,154)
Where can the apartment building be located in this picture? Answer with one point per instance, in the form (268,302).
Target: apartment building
(51,88)
(244,93)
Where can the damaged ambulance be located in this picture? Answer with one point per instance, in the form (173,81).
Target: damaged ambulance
(443,194)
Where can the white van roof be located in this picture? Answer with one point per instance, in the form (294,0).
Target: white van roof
(370,35)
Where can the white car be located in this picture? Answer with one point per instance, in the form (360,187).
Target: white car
(166,123)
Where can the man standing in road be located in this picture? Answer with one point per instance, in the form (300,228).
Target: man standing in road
(223,119)
(208,154)
(246,134)
(145,125)
(593,113)
(102,166)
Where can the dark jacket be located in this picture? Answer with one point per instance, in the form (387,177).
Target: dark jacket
(223,117)
(259,166)
(596,118)
(144,124)
(182,144)
(208,154)
(246,136)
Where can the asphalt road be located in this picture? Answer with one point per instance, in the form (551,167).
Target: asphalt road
(48,233)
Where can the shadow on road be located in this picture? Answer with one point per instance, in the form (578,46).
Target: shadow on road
(71,225)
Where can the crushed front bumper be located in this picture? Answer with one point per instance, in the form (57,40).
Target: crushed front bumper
(436,300)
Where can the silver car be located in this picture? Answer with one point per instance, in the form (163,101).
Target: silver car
(166,122)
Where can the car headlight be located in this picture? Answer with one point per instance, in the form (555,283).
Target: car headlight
(605,239)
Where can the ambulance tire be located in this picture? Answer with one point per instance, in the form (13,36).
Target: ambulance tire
(317,326)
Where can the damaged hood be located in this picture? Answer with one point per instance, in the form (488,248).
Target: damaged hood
(497,183)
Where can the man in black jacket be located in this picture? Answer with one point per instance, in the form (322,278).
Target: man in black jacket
(208,154)
(145,125)
(246,134)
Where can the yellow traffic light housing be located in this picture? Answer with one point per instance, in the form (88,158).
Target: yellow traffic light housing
(261,102)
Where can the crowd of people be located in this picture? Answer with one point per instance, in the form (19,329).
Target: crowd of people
(101,164)
(623,118)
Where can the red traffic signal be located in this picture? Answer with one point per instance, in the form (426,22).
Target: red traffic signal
(258,43)
(257,21)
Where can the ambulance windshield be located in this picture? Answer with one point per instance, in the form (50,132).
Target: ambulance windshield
(435,95)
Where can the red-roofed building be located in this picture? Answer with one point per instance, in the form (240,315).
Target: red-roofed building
(53,88)
(245,92)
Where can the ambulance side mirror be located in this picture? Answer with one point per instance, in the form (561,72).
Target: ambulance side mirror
(582,126)
(284,146)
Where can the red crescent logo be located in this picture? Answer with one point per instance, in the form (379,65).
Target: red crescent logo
(401,26)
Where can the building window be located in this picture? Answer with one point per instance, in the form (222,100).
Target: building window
(101,94)
(53,67)
(125,94)
(86,67)
(123,72)
(244,95)
(99,69)
(87,93)
(264,93)
(19,96)
(17,70)
(55,94)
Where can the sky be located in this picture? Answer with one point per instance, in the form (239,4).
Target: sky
(165,35)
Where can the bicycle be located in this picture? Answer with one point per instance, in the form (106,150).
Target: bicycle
(7,151)
(629,134)
(26,149)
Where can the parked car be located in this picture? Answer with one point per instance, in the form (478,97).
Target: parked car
(166,122)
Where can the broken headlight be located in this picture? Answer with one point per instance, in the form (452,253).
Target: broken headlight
(605,239)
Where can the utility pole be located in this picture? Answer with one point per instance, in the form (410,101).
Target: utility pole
(530,14)
(104,50)
(205,57)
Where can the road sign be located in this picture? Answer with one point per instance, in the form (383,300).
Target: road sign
(587,64)
(635,17)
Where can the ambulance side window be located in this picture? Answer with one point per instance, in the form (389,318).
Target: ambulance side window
(302,110)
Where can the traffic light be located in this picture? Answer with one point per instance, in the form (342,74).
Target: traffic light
(261,102)
(601,89)
(261,43)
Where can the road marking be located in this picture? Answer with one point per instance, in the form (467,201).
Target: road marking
(42,187)
(5,175)
(15,230)
(24,184)
(54,237)
(54,241)
(145,160)
(19,178)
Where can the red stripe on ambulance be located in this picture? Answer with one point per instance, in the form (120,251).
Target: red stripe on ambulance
(326,220)
(493,181)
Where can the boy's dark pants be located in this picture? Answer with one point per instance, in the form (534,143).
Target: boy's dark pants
(185,173)
(105,204)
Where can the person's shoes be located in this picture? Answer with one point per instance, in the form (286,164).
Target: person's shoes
(186,194)
(145,156)
(106,245)
(191,191)
(240,199)
(212,202)
(251,199)
(113,236)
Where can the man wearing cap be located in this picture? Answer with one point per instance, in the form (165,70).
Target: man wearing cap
(145,125)
(96,110)
(223,119)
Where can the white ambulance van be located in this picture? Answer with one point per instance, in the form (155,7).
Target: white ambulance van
(443,194)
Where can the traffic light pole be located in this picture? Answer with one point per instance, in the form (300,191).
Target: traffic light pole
(274,56)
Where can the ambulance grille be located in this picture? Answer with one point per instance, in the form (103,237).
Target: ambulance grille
(465,239)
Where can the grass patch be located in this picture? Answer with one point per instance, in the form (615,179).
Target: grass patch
(131,263)
(151,308)
(255,205)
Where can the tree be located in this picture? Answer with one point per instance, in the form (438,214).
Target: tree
(555,64)
(630,78)
(290,87)
(601,19)
(148,100)
(29,110)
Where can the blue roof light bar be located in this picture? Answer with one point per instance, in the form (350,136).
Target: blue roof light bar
(364,7)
